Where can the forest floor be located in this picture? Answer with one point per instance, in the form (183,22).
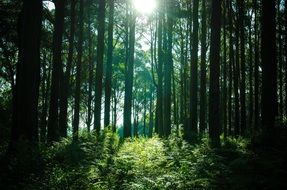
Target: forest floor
(105,162)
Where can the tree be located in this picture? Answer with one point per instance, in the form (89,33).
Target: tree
(108,86)
(269,66)
(129,73)
(214,110)
(79,73)
(28,73)
(202,120)
(65,82)
(99,66)
(194,74)
(168,72)
(53,122)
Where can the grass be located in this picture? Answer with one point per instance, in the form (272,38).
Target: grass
(105,162)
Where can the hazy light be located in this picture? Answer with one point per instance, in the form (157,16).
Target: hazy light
(144,6)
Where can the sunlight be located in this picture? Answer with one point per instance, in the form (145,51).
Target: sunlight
(144,6)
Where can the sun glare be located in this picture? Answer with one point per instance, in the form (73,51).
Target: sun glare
(144,6)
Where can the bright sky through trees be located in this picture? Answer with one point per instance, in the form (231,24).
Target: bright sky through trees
(144,6)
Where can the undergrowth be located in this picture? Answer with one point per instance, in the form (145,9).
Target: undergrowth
(105,162)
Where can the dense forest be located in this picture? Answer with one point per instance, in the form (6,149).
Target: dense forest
(143,94)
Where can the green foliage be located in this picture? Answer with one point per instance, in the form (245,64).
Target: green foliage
(104,162)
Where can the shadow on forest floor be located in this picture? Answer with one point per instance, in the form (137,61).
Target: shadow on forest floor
(106,163)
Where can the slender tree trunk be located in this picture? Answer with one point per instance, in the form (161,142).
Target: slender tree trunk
(159,104)
(214,97)
(194,73)
(236,81)
(99,67)
(78,74)
(90,71)
(256,68)
(129,77)
(280,61)
(53,122)
(251,74)
(231,64)
(224,88)
(168,71)
(242,66)
(151,112)
(109,68)
(46,90)
(202,123)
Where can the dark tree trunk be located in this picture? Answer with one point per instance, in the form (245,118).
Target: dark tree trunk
(280,61)
(99,67)
(256,68)
(194,74)
(214,98)
(251,74)
(129,77)
(151,112)
(78,74)
(231,66)
(269,65)
(224,87)
(242,66)
(202,120)
(159,103)
(28,73)
(236,80)
(168,72)
(53,122)
(90,71)
(109,67)
(46,91)
(65,85)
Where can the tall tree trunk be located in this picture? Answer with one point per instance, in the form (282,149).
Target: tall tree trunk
(251,74)
(224,88)
(256,68)
(99,67)
(194,74)
(236,80)
(109,68)
(231,64)
(214,98)
(280,61)
(90,71)
(65,83)
(129,77)
(167,72)
(28,73)
(242,66)
(202,120)
(78,74)
(53,122)
(269,65)
(159,103)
